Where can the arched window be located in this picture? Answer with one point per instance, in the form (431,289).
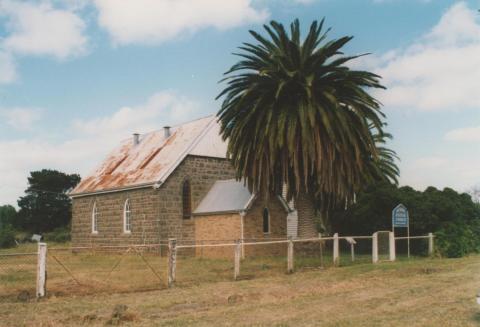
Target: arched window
(94,218)
(186,199)
(266,221)
(127,217)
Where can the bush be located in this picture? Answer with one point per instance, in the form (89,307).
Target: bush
(7,237)
(456,240)
(58,235)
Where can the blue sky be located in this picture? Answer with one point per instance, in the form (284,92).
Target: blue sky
(77,76)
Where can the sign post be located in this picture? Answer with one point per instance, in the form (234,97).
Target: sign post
(401,219)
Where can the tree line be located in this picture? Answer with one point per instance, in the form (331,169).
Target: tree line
(453,217)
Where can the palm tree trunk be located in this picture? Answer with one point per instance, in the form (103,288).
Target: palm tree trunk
(306,216)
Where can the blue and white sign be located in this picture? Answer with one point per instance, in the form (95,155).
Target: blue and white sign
(400,216)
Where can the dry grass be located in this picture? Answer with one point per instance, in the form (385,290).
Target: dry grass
(437,292)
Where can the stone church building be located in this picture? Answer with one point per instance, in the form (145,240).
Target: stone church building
(173,183)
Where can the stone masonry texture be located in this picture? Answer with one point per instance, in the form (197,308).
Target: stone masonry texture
(156,214)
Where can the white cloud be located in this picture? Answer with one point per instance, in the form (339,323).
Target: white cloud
(8,72)
(166,106)
(91,140)
(156,21)
(441,171)
(466,134)
(440,71)
(40,29)
(21,118)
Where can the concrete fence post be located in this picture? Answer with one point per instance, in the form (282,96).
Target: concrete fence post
(375,247)
(336,256)
(391,241)
(42,270)
(238,253)
(172,261)
(430,243)
(290,256)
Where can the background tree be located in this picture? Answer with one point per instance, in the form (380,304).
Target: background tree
(7,234)
(295,114)
(46,205)
(7,215)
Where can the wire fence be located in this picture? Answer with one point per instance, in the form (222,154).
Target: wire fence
(354,250)
(131,268)
(106,269)
(18,274)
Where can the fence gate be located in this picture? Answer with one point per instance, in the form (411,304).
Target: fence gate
(383,246)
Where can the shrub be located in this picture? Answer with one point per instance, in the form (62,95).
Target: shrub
(58,235)
(7,237)
(456,240)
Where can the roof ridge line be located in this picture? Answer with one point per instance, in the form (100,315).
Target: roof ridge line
(126,139)
(188,149)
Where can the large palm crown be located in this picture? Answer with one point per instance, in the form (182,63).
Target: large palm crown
(295,113)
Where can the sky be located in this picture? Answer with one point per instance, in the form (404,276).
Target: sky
(78,76)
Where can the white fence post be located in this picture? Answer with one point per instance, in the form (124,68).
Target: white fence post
(172,261)
(42,270)
(352,251)
(238,250)
(290,256)
(430,243)
(375,247)
(336,256)
(391,241)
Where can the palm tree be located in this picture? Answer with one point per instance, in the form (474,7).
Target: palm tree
(295,114)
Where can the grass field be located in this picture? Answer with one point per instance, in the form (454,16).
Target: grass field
(424,292)
(126,270)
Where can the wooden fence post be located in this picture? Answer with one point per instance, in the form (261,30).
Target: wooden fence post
(375,247)
(391,241)
(42,270)
(290,256)
(238,253)
(321,248)
(336,256)
(172,261)
(430,243)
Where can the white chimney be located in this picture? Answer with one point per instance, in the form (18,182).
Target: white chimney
(166,130)
(136,139)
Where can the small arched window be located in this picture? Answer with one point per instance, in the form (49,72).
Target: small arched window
(94,218)
(127,217)
(186,199)
(266,221)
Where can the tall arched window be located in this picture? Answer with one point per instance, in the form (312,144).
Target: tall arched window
(127,217)
(94,218)
(187,199)
(266,221)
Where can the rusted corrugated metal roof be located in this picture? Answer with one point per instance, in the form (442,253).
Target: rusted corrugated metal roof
(155,157)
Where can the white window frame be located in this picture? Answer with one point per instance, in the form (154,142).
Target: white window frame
(127,215)
(269,220)
(94,218)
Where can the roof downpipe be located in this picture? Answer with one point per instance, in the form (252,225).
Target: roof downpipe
(166,131)
(136,139)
